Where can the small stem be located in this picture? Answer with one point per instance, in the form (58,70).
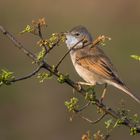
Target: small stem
(27,76)
(17,43)
(84,107)
(40,32)
(41,37)
(94,122)
(60,61)
(54,45)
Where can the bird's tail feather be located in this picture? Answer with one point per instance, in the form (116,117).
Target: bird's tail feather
(127,91)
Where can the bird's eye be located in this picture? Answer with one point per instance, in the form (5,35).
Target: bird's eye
(77,34)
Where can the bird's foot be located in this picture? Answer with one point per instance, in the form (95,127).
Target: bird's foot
(84,84)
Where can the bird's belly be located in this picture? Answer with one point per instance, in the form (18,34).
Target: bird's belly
(89,76)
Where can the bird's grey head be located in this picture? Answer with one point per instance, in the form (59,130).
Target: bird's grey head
(77,34)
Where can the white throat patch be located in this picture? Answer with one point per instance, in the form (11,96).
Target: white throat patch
(71,41)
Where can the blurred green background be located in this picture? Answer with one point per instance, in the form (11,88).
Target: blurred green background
(33,111)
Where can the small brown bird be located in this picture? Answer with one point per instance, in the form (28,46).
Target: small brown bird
(91,63)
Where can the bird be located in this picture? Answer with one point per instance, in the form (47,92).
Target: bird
(91,63)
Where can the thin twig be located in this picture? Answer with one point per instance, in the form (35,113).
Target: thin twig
(100,39)
(93,122)
(84,107)
(60,61)
(41,37)
(27,76)
(54,45)
(39,31)
(17,43)
(94,43)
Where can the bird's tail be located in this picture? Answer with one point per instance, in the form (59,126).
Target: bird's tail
(127,91)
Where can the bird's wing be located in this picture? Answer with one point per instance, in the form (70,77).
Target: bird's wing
(99,64)
(95,65)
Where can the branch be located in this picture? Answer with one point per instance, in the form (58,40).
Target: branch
(100,39)
(60,61)
(94,122)
(27,76)
(84,107)
(39,31)
(54,45)
(17,43)
(68,81)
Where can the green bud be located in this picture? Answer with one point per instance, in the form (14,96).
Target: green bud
(5,77)
(72,104)
(44,76)
(136,57)
(133,131)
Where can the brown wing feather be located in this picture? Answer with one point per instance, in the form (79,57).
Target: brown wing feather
(97,66)
(98,63)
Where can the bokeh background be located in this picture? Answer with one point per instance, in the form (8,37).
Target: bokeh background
(33,111)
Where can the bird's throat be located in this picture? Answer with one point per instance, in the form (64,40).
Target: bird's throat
(71,41)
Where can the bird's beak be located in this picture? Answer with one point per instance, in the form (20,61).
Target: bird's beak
(66,33)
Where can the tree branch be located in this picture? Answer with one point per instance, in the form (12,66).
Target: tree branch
(68,81)
(96,121)
(39,31)
(84,107)
(60,61)
(17,43)
(27,76)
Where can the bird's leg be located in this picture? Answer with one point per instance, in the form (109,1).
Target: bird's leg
(103,94)
(84,83)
